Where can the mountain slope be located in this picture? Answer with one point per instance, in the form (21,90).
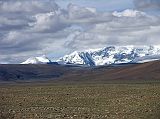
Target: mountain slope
(113,55)
(149,71)
(130,72)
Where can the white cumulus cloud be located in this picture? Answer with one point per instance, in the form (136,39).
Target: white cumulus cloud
(37,27)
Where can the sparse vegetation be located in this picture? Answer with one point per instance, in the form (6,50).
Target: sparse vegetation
(80,101)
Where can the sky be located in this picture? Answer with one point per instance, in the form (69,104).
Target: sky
(55,28)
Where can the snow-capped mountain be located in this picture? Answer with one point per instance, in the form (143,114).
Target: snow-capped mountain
(112,55)
(104,56)
(37,60)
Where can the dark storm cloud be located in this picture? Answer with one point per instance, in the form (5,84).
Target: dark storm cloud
(147,4)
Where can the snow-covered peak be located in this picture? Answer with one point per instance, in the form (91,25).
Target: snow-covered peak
(73,58)
(112,55)
(37,60)
(128,13)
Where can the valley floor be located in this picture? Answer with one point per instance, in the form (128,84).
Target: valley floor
(80,101)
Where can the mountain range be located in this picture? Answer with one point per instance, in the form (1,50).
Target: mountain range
(104,56)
